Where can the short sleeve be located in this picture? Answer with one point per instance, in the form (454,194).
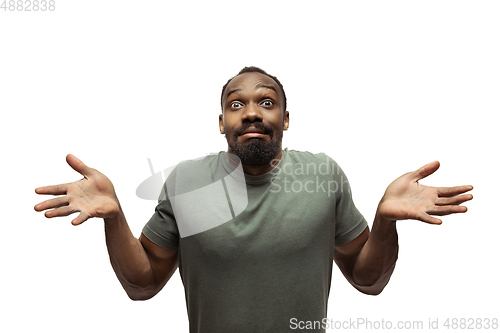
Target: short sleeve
(349,222)
(162,228)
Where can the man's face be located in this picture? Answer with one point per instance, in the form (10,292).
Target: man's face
(253,120)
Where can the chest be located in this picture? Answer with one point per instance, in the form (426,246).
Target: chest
(286,219)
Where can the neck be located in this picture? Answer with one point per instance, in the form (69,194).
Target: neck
(256,170)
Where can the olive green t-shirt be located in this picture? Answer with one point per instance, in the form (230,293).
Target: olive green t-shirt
(255,251)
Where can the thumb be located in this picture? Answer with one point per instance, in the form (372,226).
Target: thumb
(425,171)
(78,165)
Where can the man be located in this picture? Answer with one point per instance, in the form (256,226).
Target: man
(264,257)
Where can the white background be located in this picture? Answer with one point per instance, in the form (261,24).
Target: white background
(383,87)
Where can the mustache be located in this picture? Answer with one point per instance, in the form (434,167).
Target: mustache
(265,128)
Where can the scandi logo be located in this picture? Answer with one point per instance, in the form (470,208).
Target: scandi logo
(198,200)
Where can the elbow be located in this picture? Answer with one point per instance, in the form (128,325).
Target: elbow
(371,284)
(139,293)
(370,290)
(139,297)
(374,288)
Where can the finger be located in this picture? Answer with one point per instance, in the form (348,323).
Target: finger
(52,203)
(61,211)
(424,171)
(446,210)
(78,165)
(52,189)
(80,218)
(424,217)
(452,191)
(455,200)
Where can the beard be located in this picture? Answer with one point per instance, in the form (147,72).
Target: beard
(256,151)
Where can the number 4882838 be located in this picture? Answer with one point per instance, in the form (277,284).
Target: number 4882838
(28,5)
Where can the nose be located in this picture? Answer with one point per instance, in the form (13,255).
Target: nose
(251,113)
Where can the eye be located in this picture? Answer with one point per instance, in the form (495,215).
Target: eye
(267,103)
(235,105)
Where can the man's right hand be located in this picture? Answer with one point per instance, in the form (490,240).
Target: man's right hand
(92,196)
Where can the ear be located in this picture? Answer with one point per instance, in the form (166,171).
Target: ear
(286,121)
(221,123)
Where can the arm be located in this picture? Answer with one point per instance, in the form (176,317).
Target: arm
(142,267)
(369,260)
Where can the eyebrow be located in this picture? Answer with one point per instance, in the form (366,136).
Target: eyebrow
(258,86)
(232,91)
(267,87)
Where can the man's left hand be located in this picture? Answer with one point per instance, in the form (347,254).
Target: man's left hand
(406,199)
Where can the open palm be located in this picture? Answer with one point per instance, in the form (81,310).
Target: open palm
(92,196)
(406,199)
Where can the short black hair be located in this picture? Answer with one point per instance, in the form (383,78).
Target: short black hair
(253,69)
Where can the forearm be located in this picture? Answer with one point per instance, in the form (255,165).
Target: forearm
(377,259)
(128,258)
